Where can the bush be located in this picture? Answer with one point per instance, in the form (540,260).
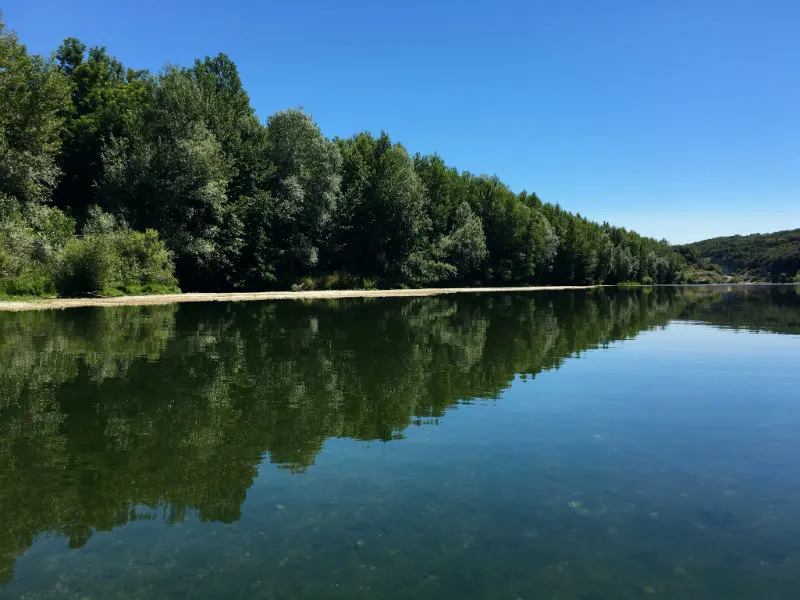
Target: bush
(306,284)
(88,266)
(338,280)
(25,258)
(332,281)
(145,264)
(116,262)
(29,283)
(40,255)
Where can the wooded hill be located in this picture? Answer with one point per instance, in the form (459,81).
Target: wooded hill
(773,257)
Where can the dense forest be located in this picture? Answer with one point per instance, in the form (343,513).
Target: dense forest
(773,257)
(116,180)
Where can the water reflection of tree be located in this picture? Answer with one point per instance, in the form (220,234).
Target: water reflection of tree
(106,412)
(756,308)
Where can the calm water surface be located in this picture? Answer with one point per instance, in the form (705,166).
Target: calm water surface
(561,445)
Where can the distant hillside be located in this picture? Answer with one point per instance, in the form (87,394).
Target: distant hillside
(771,257)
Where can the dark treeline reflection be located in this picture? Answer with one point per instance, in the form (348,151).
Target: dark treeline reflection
(106,411)
(774,309)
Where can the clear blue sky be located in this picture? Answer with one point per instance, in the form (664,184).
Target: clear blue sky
(680,119)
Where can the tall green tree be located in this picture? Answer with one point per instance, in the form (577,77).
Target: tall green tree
(465,246)
(173,177)
(304,178)
(225,109)
(108,101)
(385,212)
(34,96)
(443,199)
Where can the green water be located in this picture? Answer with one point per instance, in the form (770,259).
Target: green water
(558,445)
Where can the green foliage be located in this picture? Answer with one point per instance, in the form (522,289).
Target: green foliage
(107,103)
(757,257)
(306,284)
(332,282)
(110,260)
(304,179)
(29,283)
(88,266)
(193,172)
(145,263)
(245,205)
(33,98)
(177,186)
(254,265)
(30,247)
(465,246)
(338,280)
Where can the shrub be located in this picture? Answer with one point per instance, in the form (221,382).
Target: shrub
(145,264)
(338,280)
(28,283)
(306,284)
(88,265)
(332,281)
(110,261)
(25,258)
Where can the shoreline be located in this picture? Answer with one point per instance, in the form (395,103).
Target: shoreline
(156,299)
(64,303)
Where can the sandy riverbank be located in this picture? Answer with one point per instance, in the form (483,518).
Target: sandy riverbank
(60,303)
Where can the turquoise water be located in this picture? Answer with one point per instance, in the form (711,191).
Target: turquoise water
(559,445)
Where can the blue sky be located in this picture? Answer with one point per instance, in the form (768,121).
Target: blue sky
(679,119)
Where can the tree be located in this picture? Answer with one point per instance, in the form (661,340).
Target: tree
(225,109)
(626,267)
(546,243)
(173,177)
(403,225)
(385,213)
(255,268)
(34,96)
(242,204)
(107,103)
(305,181)
(438,180)
(465,246)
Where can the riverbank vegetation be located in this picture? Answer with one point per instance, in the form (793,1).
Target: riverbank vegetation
(115,180)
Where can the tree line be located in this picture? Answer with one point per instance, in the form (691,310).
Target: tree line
(117,180)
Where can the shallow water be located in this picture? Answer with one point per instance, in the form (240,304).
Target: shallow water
(558,445)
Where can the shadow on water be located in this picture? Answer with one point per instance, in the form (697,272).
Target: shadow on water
(168,414)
